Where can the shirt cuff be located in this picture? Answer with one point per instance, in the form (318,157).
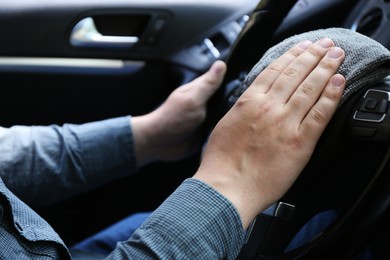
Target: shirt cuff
(196,221)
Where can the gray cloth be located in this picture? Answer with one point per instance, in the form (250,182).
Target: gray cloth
(366,60)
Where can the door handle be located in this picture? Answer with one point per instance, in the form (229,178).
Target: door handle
(85,34)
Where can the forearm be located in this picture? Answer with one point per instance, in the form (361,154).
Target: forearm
(42,164)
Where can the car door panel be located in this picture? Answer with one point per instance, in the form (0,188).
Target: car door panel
(44,28)
(38,59)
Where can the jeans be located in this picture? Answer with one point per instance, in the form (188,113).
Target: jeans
(102,243)
(105,241)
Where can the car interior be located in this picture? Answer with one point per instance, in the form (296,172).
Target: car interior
(80,61)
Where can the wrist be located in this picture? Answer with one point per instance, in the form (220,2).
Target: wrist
(144,135)
(247,200)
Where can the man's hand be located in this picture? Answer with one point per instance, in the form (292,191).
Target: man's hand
(258,149)
(173,131)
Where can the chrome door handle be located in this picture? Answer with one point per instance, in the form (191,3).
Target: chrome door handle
(85,34)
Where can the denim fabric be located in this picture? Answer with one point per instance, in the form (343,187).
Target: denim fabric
(104,242)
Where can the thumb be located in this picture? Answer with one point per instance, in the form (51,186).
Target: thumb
(208,83)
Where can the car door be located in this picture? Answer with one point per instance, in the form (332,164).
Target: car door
(76,61)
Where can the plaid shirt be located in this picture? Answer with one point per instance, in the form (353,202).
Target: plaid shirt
(195,222)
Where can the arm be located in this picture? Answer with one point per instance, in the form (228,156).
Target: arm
(283,114)
(173,131)
(42,164)
(253,156)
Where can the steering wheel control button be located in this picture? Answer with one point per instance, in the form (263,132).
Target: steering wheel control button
(284,210)
(371,104)
(373,107)
(369,117)
(363,131)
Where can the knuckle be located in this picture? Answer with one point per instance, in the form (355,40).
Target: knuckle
(327,65)
(295,52)
(317,115)
(316,51)
(276,67)
(331,99)
(291,72)
(187,100)
(296,141)
(242,102)
(306,89)
(264,107)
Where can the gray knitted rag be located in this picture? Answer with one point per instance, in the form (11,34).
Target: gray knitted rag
(366,61)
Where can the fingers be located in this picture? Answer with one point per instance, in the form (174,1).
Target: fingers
(297,71)
(268,76)
(207,84)
(308,92)
(214,77)
(320,114)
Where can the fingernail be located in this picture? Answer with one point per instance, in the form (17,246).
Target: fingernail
(304,45)
(216,68)
(335,53)
(325,43)
(338,80)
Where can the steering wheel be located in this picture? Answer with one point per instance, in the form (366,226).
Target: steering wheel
(344,182)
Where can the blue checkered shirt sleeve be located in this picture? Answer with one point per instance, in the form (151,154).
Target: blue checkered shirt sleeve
(195,222)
